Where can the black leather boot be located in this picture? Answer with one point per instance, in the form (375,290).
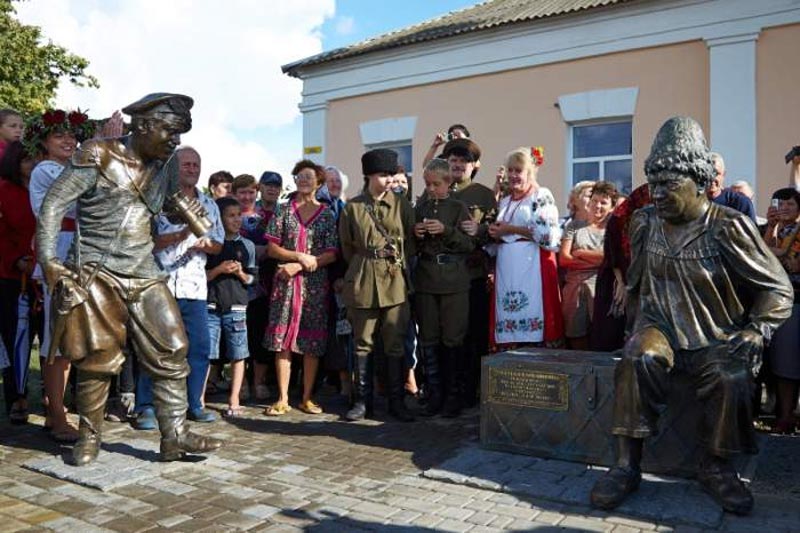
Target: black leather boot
(91,398)
(622,479)
(397,382)
(453,377)
(362,391)
(433,380)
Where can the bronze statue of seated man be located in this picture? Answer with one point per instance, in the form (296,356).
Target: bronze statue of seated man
(705,293)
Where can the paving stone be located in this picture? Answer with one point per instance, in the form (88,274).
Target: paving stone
(515,512)
(375,509)
(260,511)
(551,518)
(456,513)
(584,524)
(453,525)
(172,521)
(481,518)
(71,525)
(630,522)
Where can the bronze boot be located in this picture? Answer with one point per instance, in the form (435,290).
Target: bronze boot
(719,478)
(169,397)
(621,480)
(91,397)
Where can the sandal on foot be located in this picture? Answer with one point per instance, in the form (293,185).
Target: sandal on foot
(233,412)
(277,409)
(310,407)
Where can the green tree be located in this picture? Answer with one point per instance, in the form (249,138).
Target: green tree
(30,69)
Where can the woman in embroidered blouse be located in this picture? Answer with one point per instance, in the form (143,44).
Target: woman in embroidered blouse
(303,238)
(526,233)
(582,254)
(782,235)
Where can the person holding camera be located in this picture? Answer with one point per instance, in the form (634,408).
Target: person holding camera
(456,131)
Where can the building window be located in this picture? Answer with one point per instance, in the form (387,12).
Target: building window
(603,152)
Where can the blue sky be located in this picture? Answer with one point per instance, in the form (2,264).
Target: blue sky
(369,18)
(245,117)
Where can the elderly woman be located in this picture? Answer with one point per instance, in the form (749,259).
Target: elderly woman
(782,235)
(17,226)
(303,238)
(526,233)
(54,136)
(582,254)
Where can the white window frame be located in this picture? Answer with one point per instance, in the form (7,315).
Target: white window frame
(601,159)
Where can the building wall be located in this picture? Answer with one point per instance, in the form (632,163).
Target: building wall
(778,107)
(517,108)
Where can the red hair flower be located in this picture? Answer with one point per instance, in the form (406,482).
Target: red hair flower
(76,118)
(537,154)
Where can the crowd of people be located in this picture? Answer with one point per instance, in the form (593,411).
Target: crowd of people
(381,292)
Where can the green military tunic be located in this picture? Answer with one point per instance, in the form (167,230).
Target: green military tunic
(442,266)
(375,289)
(372,282)
(441,278)
(482,207)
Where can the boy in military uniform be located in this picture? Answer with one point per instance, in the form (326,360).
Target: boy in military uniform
(376,237)
(463,156)
(442,282)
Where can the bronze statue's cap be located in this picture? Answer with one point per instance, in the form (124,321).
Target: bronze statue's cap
(176,103)
(680,146)
(461,147)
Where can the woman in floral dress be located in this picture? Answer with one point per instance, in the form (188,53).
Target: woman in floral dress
(526,233)
(302,237)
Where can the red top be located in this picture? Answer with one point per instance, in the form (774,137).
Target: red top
(17,228)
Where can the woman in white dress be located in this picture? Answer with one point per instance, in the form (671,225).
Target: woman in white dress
(526,234)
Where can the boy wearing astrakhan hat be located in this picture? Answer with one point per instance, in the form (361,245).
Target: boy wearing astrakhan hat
(463,155)
(441,281)
(376,236)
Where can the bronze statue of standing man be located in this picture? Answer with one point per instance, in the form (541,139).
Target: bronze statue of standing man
(111,291)
(706,293)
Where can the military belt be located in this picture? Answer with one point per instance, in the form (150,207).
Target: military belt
(443,259)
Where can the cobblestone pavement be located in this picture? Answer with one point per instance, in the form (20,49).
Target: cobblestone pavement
(304,473)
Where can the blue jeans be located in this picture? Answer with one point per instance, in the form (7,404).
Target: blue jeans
(195,321)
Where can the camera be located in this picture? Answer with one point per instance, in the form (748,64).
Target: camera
(775,203)
(794,152)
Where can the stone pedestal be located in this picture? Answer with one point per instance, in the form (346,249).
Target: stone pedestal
(558,404)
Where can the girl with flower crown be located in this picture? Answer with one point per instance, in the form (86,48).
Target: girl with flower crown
(54,136)
(526,234)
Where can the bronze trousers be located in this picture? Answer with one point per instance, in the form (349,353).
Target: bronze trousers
(723,383)
(119,309)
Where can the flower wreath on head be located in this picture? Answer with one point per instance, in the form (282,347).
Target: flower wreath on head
(37,128)
(537,154)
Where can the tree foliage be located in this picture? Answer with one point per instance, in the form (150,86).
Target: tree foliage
(30,68)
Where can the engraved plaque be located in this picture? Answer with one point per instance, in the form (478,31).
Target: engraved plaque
(525,388)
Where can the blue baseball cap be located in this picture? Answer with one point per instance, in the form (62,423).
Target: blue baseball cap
(271,178)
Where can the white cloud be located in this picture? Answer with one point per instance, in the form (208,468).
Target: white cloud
(345,25)
(226,55)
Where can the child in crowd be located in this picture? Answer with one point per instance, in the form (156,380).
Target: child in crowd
(230,273)
(11,127)
(582,254)
(442,284)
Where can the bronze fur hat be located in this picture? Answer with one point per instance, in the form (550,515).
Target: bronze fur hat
(680,146)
